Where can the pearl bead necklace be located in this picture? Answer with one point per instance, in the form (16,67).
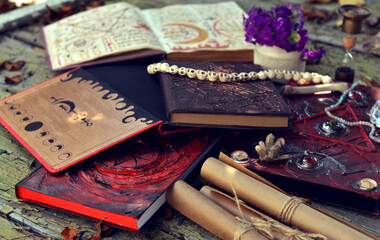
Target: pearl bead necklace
(341,120)
(283,76)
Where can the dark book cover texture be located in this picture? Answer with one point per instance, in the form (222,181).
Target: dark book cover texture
(237,104)
(124,185)
(332,162)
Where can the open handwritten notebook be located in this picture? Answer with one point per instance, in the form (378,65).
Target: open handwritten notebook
(193,32)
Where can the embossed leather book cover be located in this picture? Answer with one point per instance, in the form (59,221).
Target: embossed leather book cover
(193,102)
(331,162)
(124,185)
(64,120)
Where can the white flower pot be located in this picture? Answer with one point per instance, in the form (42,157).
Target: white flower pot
(277,58)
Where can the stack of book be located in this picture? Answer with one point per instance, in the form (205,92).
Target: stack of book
(112,139)
(107,133)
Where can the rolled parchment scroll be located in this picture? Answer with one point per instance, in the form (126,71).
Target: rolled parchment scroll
(273,202)
(206,213)
(246,212)
(229,203)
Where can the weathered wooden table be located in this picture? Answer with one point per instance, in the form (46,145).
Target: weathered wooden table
(20,220)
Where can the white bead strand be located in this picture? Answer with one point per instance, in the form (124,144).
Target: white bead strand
(282,76)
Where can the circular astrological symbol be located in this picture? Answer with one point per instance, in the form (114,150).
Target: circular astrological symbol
(20,112)
(8,102)
(65,155)
(49,141)
(230,27)
(14,107)
(67,106)
(99,27)
(79,45)
(42,134)
(184,33)
(26,119)
(33,126)
(56,148)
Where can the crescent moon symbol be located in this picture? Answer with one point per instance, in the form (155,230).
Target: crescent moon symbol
(202,34)
(65,104)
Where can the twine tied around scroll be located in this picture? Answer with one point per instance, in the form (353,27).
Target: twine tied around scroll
(267,226)
(259,225)
(288,209)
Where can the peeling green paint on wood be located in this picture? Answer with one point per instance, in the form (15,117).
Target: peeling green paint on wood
(8,230)
(34,71)
(6,209)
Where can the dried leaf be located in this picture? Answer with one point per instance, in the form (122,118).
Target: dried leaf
(103,229)
(68,234)
(6,6)
(372,44)
(14,66)
(13,80)
(96,3)
(25,4)
(168,214)
(99,227)
(66,10)
(50,16)
(8,66)
(370,81)
(18,64)
(106,230)
(314,13)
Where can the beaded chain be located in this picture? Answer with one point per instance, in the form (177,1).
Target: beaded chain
(341,120)
(302,78)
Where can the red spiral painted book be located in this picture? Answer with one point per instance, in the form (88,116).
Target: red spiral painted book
(124,185)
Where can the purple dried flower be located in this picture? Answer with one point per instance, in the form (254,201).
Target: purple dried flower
(280,26)
(312,56)
(266,35)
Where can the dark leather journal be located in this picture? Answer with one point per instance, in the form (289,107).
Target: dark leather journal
(240,104)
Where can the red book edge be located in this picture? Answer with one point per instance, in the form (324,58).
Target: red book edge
(49,201)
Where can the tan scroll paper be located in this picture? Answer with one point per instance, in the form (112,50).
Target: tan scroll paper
(275,203)
(257,219)
(206,213)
